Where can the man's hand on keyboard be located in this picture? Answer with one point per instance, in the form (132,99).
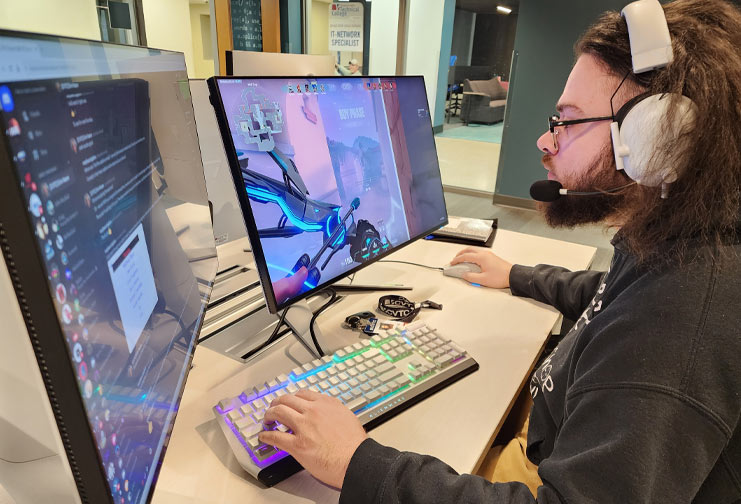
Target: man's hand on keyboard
(325,433)
(494,269)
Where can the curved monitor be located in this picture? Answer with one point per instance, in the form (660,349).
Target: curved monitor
(332,173)
(107,237)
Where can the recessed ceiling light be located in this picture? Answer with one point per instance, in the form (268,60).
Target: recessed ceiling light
(503,10)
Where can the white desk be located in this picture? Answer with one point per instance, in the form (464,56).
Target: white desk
(505,334)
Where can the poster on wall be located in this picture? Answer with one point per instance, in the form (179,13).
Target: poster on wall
(346,27)
(246,25)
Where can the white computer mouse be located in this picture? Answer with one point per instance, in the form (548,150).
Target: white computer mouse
(457,270)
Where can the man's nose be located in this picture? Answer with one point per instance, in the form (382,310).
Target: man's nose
(545,143)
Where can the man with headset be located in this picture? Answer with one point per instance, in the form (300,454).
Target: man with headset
(641,399)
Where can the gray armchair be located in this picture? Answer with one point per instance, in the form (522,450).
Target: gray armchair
(483,101)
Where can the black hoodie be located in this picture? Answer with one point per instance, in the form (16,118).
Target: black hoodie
(639,402)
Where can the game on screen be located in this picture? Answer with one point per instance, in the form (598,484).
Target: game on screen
(330,173)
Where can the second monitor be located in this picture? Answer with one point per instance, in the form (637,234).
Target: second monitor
(331,173)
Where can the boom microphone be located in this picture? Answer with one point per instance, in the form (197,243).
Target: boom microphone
(546,190)
(550,190)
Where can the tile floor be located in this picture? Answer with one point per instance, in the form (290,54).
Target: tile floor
(468,164)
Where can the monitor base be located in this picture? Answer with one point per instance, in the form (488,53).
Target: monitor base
(298,318)
(362,288)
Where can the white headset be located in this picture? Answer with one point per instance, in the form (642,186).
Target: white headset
(640,125)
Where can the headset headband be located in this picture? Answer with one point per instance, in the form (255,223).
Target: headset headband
(650,42)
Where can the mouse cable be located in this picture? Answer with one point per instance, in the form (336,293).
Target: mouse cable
(412,263)
(326,305)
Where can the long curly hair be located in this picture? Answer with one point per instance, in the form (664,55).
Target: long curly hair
(703,205)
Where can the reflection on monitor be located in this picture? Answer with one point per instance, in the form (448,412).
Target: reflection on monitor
(108,224)
(336,172)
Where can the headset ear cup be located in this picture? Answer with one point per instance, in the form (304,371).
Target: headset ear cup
(643,129)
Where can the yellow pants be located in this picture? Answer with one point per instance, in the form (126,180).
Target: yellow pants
(508,462)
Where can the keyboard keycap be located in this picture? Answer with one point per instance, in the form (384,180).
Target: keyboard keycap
(390,375)
(383,368)
(402,380)
(264,451)
(253,442)
(443,360)
(372,395)
(250,430)
(244,422)
(226,404)
(357,403)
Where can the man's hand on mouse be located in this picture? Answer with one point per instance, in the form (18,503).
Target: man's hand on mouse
(494,269)
(325,433)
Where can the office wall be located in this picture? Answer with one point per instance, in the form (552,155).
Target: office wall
(546,32)
(494,41)
(424,28)
(463,32)
(384,34)
(71,18)
(319,34)
(200,30)
(168,27)
(443,67)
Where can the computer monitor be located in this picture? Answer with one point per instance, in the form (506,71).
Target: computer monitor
(332,173)
(108,259)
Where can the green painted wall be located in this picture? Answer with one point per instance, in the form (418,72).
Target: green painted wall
(546,33)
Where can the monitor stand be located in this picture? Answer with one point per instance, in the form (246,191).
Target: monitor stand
(299,315)
(360,288)
(298,318)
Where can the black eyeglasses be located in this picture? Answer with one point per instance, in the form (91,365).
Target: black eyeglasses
(554,121)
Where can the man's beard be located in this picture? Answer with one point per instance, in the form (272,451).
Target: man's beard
(570,211)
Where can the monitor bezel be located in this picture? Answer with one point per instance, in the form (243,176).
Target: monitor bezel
(250,224)
(26,267)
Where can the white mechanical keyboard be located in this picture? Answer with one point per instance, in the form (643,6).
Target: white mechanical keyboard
(376,379)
